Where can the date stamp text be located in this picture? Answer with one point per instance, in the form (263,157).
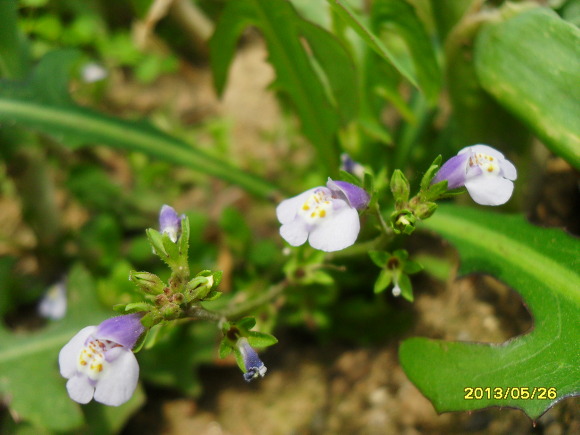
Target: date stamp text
(515,393)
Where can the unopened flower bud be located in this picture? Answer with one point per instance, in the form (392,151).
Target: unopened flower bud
(148,282)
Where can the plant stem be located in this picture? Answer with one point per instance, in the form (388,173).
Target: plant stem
(387,231)
(196,312)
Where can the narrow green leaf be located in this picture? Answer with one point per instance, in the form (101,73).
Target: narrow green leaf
(400,17)
(351,17)
(11,47)
(530,64)
(338,67)
(22,103)
(542,265)
(296,78)
(383,281)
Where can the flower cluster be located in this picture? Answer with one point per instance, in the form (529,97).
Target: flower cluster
(99,363)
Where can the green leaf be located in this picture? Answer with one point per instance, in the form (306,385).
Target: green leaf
(383,281)
(11,48)
(542,265)
(400,17)
(261,339)
(41,105)
(406,287)
(225,348)
(246,323)
(530,64)
(29,361)
(380,258)
(296,78)
(337,66)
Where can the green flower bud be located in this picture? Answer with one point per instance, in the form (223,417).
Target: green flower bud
(148,282)
(400,188)
(425,210)
(403,222)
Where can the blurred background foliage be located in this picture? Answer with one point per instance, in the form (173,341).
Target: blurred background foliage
(392,83)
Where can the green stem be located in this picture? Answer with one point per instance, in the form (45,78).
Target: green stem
(248,306)
(196,312)
(387,231)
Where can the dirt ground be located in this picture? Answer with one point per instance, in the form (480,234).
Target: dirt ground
(314,388)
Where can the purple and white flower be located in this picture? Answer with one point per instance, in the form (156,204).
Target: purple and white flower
(98,361)
(253,366)
(325,216)
(484,171)
(169,222)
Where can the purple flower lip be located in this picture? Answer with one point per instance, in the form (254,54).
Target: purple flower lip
(355,196)
(124,330)
(169,222)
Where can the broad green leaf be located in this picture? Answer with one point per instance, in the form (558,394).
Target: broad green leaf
(29,376)
(543,266)
(530,63)
(41,105)
(296,77)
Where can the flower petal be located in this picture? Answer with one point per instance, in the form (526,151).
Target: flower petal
(355,196)
(453,170)
(80,389)
(490,190)
(338,232)
(508,170)
(124,330)
(119,381)
(484,149)
(295,232)
(69,355)
(287,209)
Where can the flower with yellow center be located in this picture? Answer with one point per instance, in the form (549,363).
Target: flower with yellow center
(98,361)
(484,171)
(325,216)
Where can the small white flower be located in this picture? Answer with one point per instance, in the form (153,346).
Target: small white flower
(396,289)
(93,72)
(325,216)
(484,171)
(53,304)
(98,361)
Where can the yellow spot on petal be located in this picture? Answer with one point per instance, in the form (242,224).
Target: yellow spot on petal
(313,214)
(83,362)
(322,213)
(305,207)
